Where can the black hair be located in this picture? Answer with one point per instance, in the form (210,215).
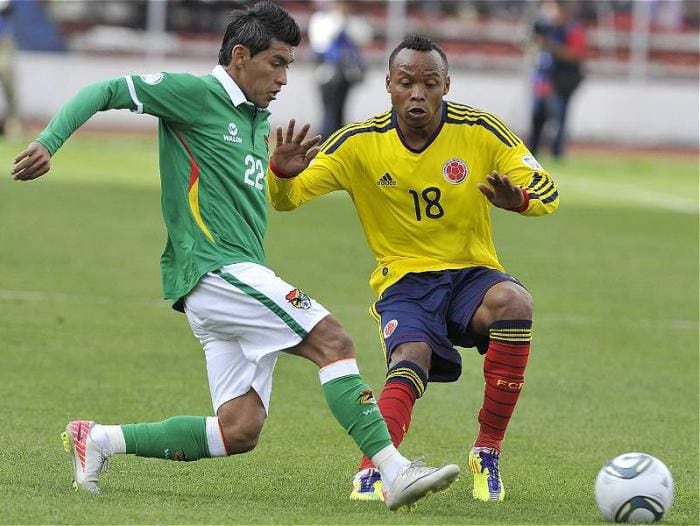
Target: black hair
(254,27)
(418,43)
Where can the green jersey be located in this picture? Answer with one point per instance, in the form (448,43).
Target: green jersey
(213,159)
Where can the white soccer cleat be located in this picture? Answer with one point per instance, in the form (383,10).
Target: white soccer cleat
(89,459)
(416,482)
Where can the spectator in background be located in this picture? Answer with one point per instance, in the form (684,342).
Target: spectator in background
(7,48)
(336,36)
(561,47)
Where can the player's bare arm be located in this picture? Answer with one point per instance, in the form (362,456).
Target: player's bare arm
(292,153)
(33,162)
(502,192)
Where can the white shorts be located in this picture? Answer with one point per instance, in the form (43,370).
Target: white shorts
(244,314)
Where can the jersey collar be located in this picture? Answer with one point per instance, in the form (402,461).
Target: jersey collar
(234,92)
(431,139)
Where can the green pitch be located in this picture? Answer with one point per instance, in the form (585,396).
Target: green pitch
(83,334)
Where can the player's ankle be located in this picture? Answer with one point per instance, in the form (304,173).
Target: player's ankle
(110,439)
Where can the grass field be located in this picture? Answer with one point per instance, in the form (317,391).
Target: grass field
(83,334)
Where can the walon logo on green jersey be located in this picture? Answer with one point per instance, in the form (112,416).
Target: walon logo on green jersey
(232,135)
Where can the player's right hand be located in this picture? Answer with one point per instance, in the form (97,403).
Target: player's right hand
(292,153)
(33,162)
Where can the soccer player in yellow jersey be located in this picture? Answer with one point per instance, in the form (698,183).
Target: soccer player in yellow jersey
(423,177)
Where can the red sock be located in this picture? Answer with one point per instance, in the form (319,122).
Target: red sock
(504,372)
(405,383)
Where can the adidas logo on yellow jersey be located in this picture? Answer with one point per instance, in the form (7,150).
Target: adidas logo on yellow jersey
(386,180)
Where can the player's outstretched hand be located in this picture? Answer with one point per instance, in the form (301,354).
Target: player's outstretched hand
(501,192)
(292,153)
(33,162)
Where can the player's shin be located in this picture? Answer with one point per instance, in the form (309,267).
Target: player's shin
(178,438)
(504,373)
(405,383)
(352,403)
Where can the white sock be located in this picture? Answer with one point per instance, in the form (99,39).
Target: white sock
(109,438)
(338,369)
(390,463)
(215,438)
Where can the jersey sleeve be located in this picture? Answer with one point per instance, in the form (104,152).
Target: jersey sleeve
(165,96)
(176,97)
(524,171)
(326,173)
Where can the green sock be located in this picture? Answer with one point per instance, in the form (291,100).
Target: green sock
(352,403)
(177,438)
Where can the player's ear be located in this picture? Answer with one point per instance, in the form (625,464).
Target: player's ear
(388,84)
(447,85)
(239,54)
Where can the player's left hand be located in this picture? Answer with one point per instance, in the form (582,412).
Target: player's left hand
(292,153)
(501,192)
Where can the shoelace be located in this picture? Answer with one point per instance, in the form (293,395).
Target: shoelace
(490,461)
(367,481)
(418,463)
(105,461)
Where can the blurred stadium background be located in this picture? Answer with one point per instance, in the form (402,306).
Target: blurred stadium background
(642,68)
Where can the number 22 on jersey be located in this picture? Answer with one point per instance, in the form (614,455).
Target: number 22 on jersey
(254,172)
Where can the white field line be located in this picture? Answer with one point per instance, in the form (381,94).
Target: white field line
(29,296)
(616,191)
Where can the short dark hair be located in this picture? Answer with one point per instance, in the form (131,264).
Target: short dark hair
(418,43)
(254,27)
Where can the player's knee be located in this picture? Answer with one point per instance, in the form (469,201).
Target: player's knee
(417,353)
(241,421)
(328,342)
(338,343)
(241,437)
(509,301)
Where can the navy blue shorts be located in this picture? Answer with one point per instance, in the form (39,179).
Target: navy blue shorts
(436,308)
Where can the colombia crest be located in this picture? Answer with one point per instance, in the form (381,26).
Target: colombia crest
(390,327)
(455,171)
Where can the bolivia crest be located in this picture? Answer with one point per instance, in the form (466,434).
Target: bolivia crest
(298,299)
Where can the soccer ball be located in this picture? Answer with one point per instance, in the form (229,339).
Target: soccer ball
(634,487)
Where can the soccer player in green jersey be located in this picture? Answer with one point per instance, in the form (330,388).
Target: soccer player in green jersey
(423,178)
(213,133)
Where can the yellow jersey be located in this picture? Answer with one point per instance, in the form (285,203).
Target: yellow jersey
(421,210)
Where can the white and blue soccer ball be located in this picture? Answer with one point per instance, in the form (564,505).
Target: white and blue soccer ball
(634,487)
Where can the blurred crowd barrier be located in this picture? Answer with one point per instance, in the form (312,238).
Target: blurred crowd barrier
(610,111)
(642,56)
(654,37)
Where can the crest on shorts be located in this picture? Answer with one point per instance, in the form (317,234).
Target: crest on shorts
(455,171)
(367,397)
(298,299)
(390,327)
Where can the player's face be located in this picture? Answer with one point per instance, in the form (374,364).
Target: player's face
(417,81)
(262,76)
